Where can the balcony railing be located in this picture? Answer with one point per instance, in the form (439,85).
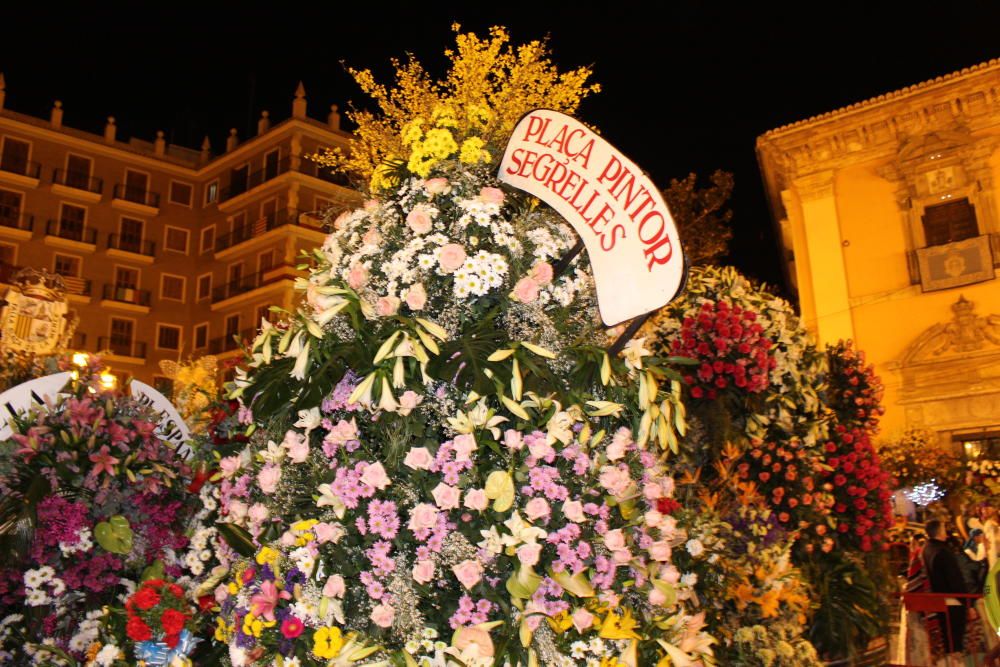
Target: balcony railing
(71,231)
(231,342)
(20,220)
(137,195)
(237,287)
(263,175)
(131,244)
(21,168)
(286,216)
(954,264)
(136,297)
(79,180)
(311,168)
(122,347)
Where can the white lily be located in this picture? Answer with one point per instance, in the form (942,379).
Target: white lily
(274,454)
(327,498)
(301,361)
(634,351)
(308,419)
(521,531)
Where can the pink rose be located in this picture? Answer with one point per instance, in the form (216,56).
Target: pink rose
(529,553)
(491,196)
(468,572)
(540,449)
(423,516)
(614,540)
(452,257)
(237,511)
(357,276)
(621,556)
(537,508)
(268,478)
(258,513)
(660,551)
(541,273)
(418,458)
(513,439)
(386,306)
(297,446)
(582,619)
(670,574)
(382,615)
(437,186)
(446,497)
(657,597)
(334,586)
(473,641)
(328,532)
(370,205)
(221,593)
(230,465)
(573,510)
(341,220)
(288,538)
(419,219)
(423,571)
(652,518)
(464,445)
(374,475)
(615,480)
(475,499)
(652,491)
(416,297)
(525,291)
(371,237)
(668,486)
(408,401)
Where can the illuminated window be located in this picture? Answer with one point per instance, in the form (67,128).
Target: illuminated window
(212,192)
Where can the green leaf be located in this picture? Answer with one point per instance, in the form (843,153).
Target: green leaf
(114,535)
(238,538)
(154,571)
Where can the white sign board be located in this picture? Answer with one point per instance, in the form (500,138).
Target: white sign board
(171,426)
(21,398)
(628,232)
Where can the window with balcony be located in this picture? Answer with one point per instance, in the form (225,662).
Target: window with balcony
(122,338)
(204,286)
(72,221)
(136,186)
(265,314)
(232,327)
(180,193)
(235,272)
(201,336)
(265,261)
(130,235)
(950,222)
(78,170)
(15,156)
(271,161)
(208,239)
(168,337)
(238,180)
(10,208)
(172,287)
(176,239)
(126,278)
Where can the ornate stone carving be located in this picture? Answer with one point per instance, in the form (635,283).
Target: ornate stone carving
(815,186)
(966,332)
(35,317)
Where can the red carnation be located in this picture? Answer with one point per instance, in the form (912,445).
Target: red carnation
(667,505)
(137,630)
(173,621)
(146,598)
(172,640)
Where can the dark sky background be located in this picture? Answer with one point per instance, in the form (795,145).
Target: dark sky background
(687,86)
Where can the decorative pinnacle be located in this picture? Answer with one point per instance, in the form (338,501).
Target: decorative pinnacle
(300,92)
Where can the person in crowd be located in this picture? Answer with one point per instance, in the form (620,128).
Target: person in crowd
(973,561)
(945,576)
(991,529)
(916,578)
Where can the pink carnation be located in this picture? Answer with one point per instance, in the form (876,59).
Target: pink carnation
(525,291)
(268,478)
(468,572)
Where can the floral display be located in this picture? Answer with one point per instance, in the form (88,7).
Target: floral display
(159,619)
(916,457)
(447,466)
(93,498)
(195,389)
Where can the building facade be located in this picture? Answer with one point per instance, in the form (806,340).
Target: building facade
(167,252)
(888,219)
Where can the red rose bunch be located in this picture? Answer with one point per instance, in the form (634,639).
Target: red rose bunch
(855,392)
(785,475)
(730,347)
(157,610)
(862,512)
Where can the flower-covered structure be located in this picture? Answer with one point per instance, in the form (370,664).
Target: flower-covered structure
(93,499)
(448,467)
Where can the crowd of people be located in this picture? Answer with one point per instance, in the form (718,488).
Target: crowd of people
(954,561)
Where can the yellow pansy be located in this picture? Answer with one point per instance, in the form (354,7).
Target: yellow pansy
(619,627)
(327,642)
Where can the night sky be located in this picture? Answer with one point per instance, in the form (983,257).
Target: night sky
(686,88)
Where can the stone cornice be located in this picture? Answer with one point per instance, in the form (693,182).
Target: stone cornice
(874,128)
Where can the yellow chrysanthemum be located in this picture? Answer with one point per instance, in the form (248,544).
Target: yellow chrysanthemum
(327,642)
(473,152)
(267,556)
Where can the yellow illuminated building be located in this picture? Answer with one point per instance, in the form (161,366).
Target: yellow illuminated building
(887,211)
(166,252)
